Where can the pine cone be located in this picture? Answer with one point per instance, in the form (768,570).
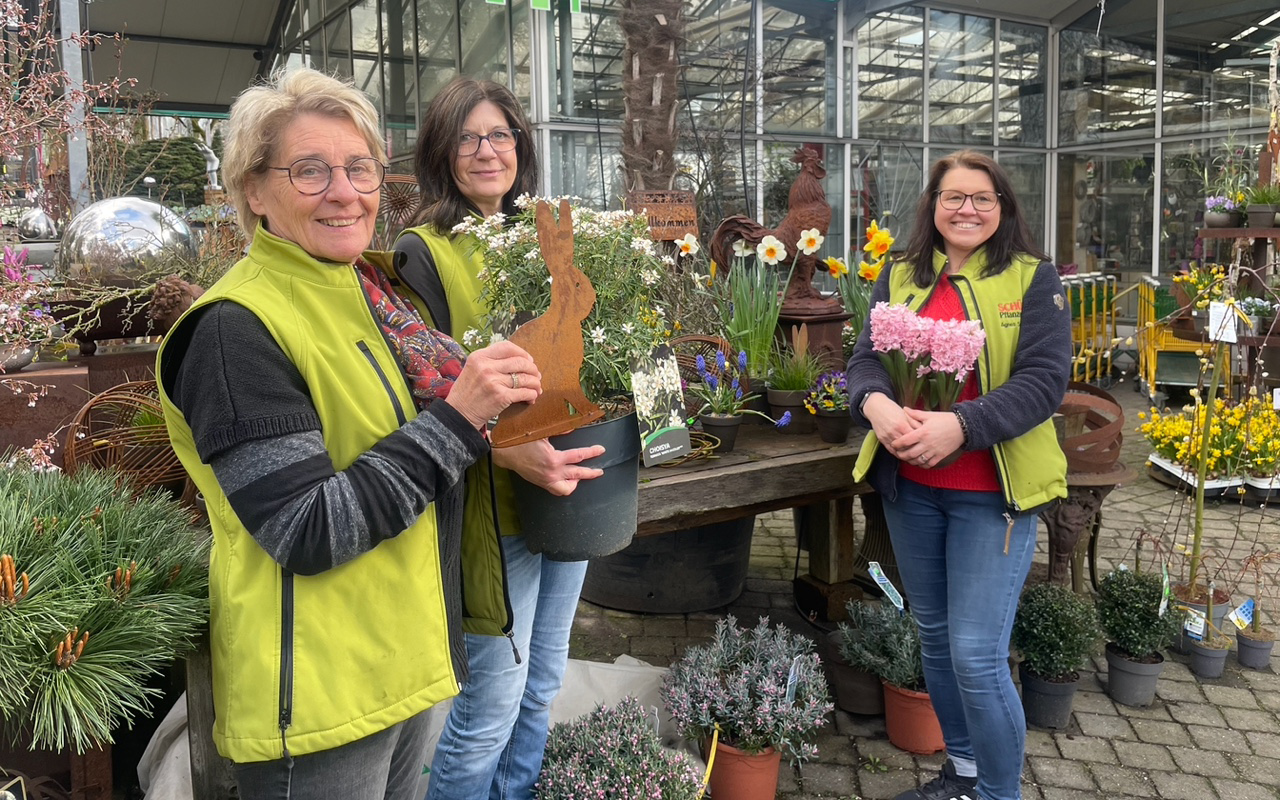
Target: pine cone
(171,296)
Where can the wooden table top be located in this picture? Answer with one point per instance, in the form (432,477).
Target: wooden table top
(766,471)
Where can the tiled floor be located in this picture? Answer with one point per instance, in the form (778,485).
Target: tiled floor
(1201,739)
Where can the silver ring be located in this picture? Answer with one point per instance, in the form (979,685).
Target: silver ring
(515,380)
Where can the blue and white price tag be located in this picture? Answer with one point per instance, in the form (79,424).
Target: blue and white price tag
(1242,617)
(885,584)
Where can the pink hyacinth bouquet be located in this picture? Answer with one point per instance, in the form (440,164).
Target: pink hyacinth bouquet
(927,360)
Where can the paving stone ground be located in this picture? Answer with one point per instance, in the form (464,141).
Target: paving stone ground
(1200,740)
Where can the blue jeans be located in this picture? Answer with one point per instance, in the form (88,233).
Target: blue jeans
(963,590)
(492,742)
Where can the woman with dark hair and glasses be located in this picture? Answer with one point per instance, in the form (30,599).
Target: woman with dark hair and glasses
(475,156)
(328,427)
(964,531)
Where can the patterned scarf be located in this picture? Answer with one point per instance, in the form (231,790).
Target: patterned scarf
(430,360)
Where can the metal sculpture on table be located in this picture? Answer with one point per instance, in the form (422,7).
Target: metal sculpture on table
(1091,432)
(36,225)
(120,239)
(807,208)
(554,339)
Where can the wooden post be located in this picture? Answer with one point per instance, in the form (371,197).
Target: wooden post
(211,777)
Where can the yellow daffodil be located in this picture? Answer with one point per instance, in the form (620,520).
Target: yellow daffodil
(836,267)
(870,272)
(879,240)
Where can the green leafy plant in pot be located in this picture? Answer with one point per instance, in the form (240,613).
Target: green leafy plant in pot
(885,641)
(614,752)
(739,684)
(1055,630)
(1138,621)
(793,371)
(1262,203)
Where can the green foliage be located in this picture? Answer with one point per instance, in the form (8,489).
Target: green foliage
(116,588)
(794,368)
(1054,630)
(750,307)
(1264,194)
(1129,611)
(883,641)
(176,165)
(613,753)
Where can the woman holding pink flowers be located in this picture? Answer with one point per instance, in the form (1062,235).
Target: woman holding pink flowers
(963,450)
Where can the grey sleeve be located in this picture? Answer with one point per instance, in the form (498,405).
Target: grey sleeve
(255,425)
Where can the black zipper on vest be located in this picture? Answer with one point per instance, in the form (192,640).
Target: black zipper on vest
(386,384)
(286,658)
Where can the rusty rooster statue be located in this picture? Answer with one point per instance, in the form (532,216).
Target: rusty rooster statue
(807,207)
(554,339)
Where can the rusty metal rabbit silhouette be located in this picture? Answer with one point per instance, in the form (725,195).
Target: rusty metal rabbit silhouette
(554,339)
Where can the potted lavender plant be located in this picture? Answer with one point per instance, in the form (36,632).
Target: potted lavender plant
(614,752)
(762,690)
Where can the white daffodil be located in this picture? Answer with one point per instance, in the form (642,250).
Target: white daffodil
(741,248)
(688,245)
(810,241)
(770,250)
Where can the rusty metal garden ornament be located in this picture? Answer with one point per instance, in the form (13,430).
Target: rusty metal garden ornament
(554,340)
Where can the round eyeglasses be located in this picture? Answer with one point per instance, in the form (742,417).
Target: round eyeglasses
(311,176)
(982,201)
(501,140)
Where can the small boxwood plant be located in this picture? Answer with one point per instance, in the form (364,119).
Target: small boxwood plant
(1129,604)
(1054,631)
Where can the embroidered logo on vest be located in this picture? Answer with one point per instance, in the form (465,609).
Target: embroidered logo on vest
(1010,314)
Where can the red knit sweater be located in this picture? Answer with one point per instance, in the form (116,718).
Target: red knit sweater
(974,471)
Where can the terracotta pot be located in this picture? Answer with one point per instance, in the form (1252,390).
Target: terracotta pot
(911,721)
(739,775)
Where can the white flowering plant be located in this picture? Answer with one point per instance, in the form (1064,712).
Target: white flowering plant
(624,265)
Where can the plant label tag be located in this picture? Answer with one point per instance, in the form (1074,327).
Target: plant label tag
(793,678)
(1222,323)
(1194,626)
(1164,589)
(1275,399)
(886,585)
(1242,616)
(657,721)
(659,407)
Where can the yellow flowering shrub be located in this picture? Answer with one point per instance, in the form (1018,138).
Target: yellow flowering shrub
(1203,283)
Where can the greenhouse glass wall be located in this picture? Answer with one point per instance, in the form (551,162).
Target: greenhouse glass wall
(1113,124)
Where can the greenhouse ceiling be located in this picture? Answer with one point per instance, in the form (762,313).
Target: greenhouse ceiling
(197,55)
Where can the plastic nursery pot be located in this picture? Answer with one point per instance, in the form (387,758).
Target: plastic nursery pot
(1129,682)
(722,426)
(856,690)
(1209,662)
(1253,652)
(1047,704)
